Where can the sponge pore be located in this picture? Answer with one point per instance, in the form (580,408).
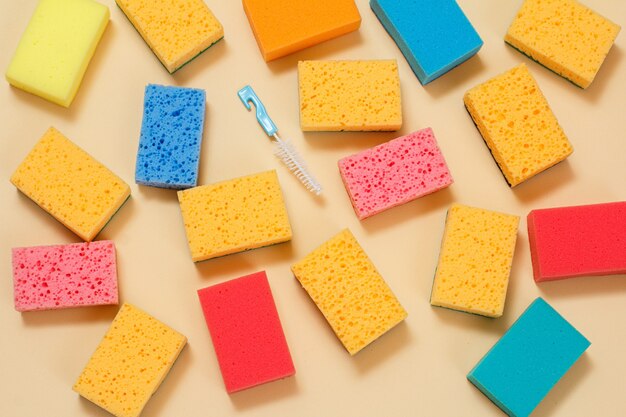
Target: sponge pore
(171,136)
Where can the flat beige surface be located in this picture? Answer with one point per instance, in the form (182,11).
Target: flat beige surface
(419,368)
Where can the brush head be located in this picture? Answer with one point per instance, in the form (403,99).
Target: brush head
(286,152)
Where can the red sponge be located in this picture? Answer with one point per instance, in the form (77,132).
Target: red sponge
(568,242)
(247,335)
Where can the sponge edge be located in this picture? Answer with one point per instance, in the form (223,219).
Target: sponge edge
(176,30)
(567,242)
(70,184)
(56,48)
(564,36)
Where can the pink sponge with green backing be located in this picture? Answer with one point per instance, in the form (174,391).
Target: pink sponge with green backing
(63,276)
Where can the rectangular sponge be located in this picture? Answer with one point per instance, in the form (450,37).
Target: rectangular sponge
(349,291)
(475,261)
(130,362)
(247,335)
(531,357)
(171,136)
(576,241)
(434,36)
(235,215)
(516,122)
(55,50)
(349,95)
(176,30)
(71,185)
(282,27)
(394,173)
(564,36)
(63,276)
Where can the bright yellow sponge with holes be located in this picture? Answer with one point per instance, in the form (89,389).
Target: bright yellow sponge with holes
(349,95)
(564,36)
(56,48)
(71,185)
(349,291)
(235,215)
(475,261)
(130,363)
(176,30)
(517,124)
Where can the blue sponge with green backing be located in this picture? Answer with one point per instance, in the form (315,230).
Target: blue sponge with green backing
(531,357)
(171,135)
(434,35)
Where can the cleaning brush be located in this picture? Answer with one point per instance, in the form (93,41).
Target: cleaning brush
(285,151)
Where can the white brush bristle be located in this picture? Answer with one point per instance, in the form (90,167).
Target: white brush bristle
(286,152)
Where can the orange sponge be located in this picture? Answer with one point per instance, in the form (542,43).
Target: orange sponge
(282,27)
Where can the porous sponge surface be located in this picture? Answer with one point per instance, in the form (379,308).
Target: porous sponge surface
(517,124)
(564,36)
(246,332)
(282,27)
(348,290)
(349,95)
(130,362)
(62,276)
(171,136)
(55,50)
(433,36)
(235,215)
(176,30)
(531,357)
(475,261)
(71,185)
(394,173)
(576,241)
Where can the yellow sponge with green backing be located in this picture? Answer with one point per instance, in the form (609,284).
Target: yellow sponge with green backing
(349,291)
(475,261)
(564,36)
(235,215)
(55,50)
(517,125)
(176,30)
(130,363)
(70,184)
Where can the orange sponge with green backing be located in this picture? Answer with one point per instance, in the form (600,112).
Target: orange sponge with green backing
(70,184)
(176,30)
(564,36)
(235,215)
(475,261)
(514,119)
(346,287)
(282,27)
(130,362)
(56,48)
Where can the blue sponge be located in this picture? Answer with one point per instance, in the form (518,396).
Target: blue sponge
(434,35)
(171,135)
(528,360)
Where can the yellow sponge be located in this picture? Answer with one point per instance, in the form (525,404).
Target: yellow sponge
(56,48)
(235,215)
(564,36)
(475,261)
(69,184)
(176,30)
(282,27)
(349,95)
(517,124)
(349,291)
(130,363)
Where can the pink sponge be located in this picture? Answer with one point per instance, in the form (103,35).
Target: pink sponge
(62,276)
(247,335)
(394,173)
(568,242)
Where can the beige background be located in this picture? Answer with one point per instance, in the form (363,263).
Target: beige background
(419,367)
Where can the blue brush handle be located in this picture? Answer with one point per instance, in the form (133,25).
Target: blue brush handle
(248,95)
